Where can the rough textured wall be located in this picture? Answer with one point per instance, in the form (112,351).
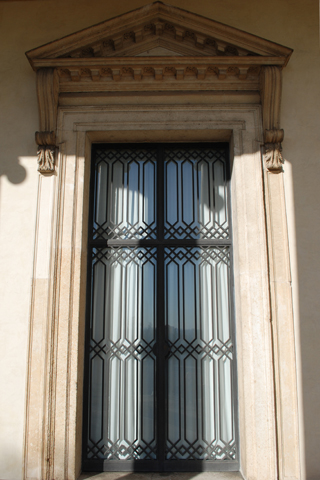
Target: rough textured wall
(27,24)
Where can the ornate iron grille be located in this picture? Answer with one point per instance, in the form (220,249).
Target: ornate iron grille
(160,380)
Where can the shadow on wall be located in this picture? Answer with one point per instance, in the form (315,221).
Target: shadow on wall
(307,229)
(14,172)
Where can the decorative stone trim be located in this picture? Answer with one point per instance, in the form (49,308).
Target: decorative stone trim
(208,45)
(271,98)
(46,159)
(46,151)
(200,55)
(171,71)
(157,25)
(53,425)
(272,156)
(59,438)
(48,96)
(158,48)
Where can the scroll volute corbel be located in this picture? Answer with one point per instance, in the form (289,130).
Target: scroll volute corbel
(48,95)
(273,134)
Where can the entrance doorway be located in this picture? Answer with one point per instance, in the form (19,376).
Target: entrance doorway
(160,365)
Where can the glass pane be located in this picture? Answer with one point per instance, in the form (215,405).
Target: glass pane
(200,418)
(196,193)
(125,194)
(122,362)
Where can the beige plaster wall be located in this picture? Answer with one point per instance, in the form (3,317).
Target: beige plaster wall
(28,24)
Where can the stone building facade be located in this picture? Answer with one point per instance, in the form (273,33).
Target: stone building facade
(210,73)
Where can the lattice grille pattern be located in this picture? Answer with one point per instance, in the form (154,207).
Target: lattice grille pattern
(122,362)
(200,423)
(192,369)
(125,194)
(196,194)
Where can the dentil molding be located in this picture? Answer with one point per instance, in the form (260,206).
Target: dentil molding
(158,48)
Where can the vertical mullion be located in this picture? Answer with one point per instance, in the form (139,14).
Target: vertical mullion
(161,428)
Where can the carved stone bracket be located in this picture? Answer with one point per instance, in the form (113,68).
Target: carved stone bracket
(48,94)
(46,159)
(46,151)
(273,135)
(272,150)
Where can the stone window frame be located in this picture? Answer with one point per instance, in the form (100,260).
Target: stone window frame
(69,123)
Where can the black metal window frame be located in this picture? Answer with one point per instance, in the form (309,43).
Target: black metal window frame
(159,465)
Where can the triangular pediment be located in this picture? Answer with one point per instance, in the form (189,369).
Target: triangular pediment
(156,30)
(156,49)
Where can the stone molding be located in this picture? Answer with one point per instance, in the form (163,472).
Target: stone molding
(272,150)
(263,305)
(157,48)
(153,25)
(279,277)
(48,97)
(53,433)
(155,69)
(271,83)
(53,425)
